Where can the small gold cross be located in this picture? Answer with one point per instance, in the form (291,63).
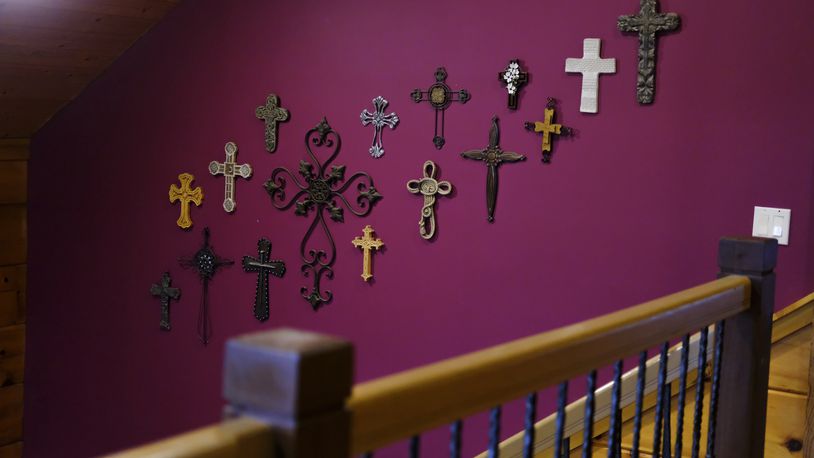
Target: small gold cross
(186,195)
(366,243)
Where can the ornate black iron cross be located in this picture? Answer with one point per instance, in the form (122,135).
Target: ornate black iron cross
(440,97)
(647,23)
(263,266)
(513,77)
(164,292)
(206,263)
(492,156)
(272,114)
(322,191)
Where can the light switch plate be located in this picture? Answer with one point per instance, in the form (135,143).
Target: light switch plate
(772,223)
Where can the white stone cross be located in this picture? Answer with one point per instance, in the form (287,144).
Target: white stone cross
(591,65)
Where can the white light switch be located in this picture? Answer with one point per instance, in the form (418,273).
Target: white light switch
(772,223)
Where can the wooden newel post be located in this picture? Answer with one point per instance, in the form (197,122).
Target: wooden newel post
(747,348)
(298,383)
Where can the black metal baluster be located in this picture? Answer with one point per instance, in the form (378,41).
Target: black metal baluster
(531,415)
(562,398)
(415,446)
(494,433)
(682,394)
(455,439)
(588,428)
(637,418)
(665,449)
(699,392)
(716,382)
(566,447)
(615,424)
(660,401)
(368,455)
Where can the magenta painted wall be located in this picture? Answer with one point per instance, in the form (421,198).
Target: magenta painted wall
(630,209)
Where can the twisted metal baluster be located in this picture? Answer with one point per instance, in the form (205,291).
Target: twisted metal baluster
(660,400)
(665,449)
(494,433)
(415,446)
(562,398)
(682,395)
(528,437)
(368,455)
(588,428)
(566,445)
(455,439)
(615,424)
(637,419)
(699,392)
(716,382)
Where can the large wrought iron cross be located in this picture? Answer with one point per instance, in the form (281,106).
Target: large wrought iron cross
(272,114)
(264,267)
(186,195)
(229,169)
(165,292)
(379,120)
(322,191)
(492,156)
(647,24)
(440,97)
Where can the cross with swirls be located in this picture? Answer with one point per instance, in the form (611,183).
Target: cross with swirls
(323,190)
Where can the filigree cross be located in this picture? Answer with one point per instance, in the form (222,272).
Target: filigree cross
(186,195)
(165,292)
(547,128)
(379,120)
(229,169)
(591,66)
(272,114)
(367,243)
(647,24)
(440,97)
(264,267)
(322,191)
(513,77)
(428,187)
(492,156)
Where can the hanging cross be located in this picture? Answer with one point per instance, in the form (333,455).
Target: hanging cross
(165,293)
(513,77)
(263,266)
(230,170)
(186,195)
(440,97)
(272,114)
(429,188)
(367,242)
(591,65)
(647,23)
(492,156)
(379,120)
(548,128)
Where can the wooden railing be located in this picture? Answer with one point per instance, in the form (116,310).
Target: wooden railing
(290,392)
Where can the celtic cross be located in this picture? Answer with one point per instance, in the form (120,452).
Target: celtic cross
(272,114)
(185,194)
(513,77)
(379,120)
(322,191)
(367,243)
(264,267)
(547,128)
(165,292)
(591,66)
(647,24)
(229,169)
(440,97)
(428,187)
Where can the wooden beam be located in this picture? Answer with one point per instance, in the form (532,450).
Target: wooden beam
(13,234)
(11,420)
(14,149)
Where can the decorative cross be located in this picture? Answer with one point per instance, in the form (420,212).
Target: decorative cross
(513,77)
(263,266)
(367,242)
(272,114)
(492,156)
(230,170)
(429,188)
(206,263)
(440,97)
(186,195)
(647,23)
(164,292)
(548,128)
(379,120)
(322,191)
(591,65)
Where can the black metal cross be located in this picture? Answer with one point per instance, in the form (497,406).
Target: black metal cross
(263,266)
(492,156)
(440,97)
(513,77)
(272,113)
(164,292)
(647,23)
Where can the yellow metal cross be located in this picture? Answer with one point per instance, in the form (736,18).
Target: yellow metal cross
(547,128)
(366,243)
(186,195)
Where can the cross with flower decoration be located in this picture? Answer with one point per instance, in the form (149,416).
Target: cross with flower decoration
(513,77)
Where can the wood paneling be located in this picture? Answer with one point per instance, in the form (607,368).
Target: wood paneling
(11,414)
(14,450)
(13,182)
(13,234)
(14,149)
(790,360)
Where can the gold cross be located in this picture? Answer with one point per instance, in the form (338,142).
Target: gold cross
(186,195)
(547,128)
(366,243)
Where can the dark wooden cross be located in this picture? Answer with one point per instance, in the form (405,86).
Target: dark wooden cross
(440,97)
(263,266)
(492,156)
(164,292)
(513,77)
(272,113)
(647,23)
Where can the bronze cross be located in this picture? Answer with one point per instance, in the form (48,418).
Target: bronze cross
(164,292)
(647,23)
(272,114)
(367,242)
(492,156)
(263,266)
(186,195)
(440,97)
(513,77)
(429,187)
(229,169)
(548,128)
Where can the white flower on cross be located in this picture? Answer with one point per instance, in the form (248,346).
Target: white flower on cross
(511,75)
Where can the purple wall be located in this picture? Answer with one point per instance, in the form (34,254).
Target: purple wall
(630,209)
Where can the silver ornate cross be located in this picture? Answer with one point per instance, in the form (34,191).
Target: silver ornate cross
(379,120)
(229,169)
